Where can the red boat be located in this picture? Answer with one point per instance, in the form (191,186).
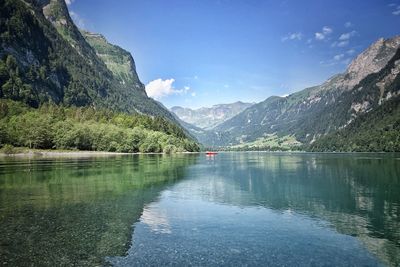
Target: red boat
(209,153)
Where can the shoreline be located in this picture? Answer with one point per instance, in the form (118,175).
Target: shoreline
(75,153)
(22,152)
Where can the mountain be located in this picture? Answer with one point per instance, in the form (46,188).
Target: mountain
(209,117)
(119,61)
(321,110)
(375,124)
(46,58)
(46,61)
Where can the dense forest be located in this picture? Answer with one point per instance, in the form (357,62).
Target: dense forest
(86,128)
(375,131)
(37,65)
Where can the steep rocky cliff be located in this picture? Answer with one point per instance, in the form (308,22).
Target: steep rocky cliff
(119,61)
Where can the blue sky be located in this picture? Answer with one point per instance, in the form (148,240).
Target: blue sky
(197,53)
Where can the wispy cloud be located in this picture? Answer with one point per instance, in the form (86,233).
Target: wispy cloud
(343,43)
(350,51)
(159,88)
(347,36)
(69,2)
(80,22)
(323,34)
(395,9)
(326,30)
(340,43)
(348,24)
(319,36)
(338,57)
(344,39)
(292,36)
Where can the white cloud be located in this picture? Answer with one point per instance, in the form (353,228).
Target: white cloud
(338,57)
(324,33)
(347,36)
(319,36)
(396,8)
(193,94)
(344,39)
(69,2)
(343,43)
(181,91)
(348,24)
(326,30)
(350,51)
(159,88)
(292,36)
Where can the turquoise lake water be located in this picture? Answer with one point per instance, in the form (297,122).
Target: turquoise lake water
(233,209)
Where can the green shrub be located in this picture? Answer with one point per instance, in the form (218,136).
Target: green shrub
(169,149)
(8,149)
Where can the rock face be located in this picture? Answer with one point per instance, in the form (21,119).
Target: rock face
(56,12)
(370,61)
(317,111)
(207,118)
(119,61)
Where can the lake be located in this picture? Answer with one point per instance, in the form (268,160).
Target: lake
(232,209)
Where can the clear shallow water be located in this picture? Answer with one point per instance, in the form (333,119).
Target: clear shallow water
(233,209)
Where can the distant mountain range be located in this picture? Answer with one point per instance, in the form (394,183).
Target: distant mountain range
(353,111)
(210,117)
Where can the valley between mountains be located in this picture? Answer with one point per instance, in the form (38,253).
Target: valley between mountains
(357,110)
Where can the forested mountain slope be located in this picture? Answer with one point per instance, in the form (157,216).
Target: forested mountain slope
(44,57)
(374,123)
(46,60)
